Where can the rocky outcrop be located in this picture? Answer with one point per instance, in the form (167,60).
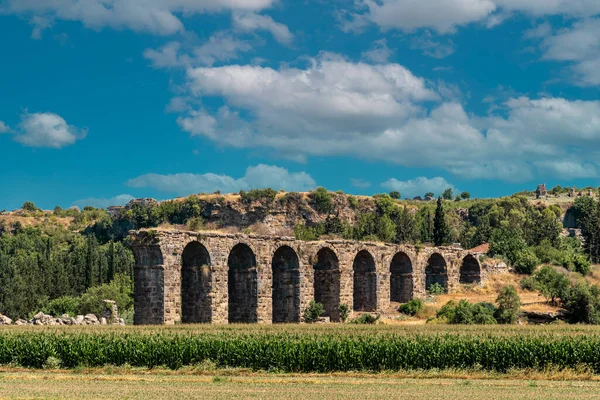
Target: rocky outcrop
(541,191)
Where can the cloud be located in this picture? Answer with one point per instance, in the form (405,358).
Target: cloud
(40,23)
(250,22)
(419,186)
(158,17)
(119,200)
(383,112)
(432,48)
(257,177)
(4,128)
(579,46)
(444,16)
(360,183)
(220,47)
(379,53)
(47,130)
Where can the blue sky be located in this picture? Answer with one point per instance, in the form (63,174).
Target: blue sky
(105,100)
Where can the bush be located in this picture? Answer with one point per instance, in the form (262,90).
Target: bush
(528,283)
(62,305)
(436,289)
(344,310)
(582,303)
(509,306)
(266,195)
(467,313)
(195,224)
(29,206)
(322,199)
(395,195)
(353,202)
(313,312)
(412,307)
(526,262)
(308,233)
(366,319)
(119,290)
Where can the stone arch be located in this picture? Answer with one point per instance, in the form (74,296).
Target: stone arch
(365,282)
(242,285)
(286,285)
(196,284)
(436,271)
(470,270)
(327,282)
(401,278)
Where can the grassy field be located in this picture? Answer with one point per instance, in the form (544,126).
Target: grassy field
(115,383)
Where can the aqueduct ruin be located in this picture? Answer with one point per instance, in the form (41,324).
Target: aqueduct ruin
(204,277)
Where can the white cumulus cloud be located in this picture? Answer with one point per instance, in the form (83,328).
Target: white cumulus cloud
(256,177)
(161,17)
(4,128)
(419,186)
(251,22)
(47,130)
(119,200)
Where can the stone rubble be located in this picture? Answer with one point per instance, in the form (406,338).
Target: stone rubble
(89,319)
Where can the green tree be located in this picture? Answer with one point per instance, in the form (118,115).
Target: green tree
(509,305)
(551,283)
(441,232)
(465,195)
(506,242)
(322,200)
(429,194)
(386,229)
(448,194)
(29,206)
(395,195)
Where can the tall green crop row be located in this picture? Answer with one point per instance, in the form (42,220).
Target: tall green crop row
(301,353)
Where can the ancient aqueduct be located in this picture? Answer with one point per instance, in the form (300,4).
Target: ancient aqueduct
(193,277)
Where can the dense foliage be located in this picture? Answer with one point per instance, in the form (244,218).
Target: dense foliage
(38,264)
(289,352)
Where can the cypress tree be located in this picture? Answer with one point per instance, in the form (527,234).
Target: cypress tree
(441,231)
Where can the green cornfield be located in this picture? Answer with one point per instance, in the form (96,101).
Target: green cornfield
(306,349)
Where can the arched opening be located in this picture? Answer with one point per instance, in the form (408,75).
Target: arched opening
(436,272)
(365,282)
(286,285)
(196,303)
(327,283)
(470,270)
(401,278)
(242,285)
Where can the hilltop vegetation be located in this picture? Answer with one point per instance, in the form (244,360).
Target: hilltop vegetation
(58,255)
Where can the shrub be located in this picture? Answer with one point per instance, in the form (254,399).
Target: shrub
(395,195)
(509,306)
(29,206)
(353,201)
(119,290)
(526,262)
(308,233)
(195,224)
(366,319)
(436,289)
(322,199)
(447,311)
(267,195)
(344,310)
(62,305)
(313,312)
(412,307)
(582,303)
(528,283)
(483,314)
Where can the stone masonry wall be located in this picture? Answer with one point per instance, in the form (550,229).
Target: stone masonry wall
(160,258)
